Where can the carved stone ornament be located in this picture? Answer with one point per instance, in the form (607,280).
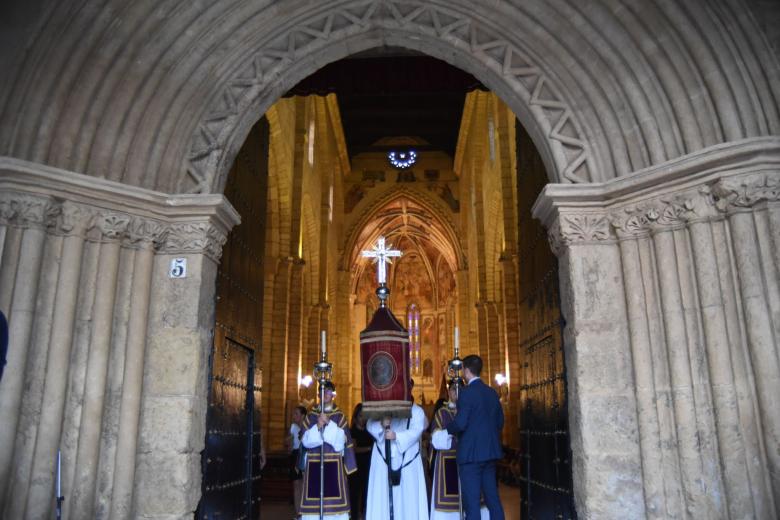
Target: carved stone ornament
(286,45)
(570,230)
(736,194)
(69,218)
(113,225)
(144,232)
(24,210)
(656,215)
(194,237)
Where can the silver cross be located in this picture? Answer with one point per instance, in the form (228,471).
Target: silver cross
(381,256)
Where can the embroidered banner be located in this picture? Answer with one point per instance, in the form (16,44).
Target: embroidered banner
(384,359)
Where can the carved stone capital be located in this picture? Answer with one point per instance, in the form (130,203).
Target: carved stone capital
(193,237)
(112,225)
(70,219)
(573,229)
(25,210)
(71,204)
(658,215)
(741,193)
(143,233)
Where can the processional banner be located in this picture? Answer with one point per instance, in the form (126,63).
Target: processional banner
(384,359)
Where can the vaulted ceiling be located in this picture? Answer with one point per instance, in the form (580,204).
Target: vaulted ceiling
(389,92)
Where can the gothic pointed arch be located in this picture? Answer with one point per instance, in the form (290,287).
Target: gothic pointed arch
(360,233)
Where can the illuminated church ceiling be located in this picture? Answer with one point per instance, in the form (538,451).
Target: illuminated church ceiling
(425,272)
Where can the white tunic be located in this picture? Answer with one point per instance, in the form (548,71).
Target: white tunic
(295,431)
(410,498)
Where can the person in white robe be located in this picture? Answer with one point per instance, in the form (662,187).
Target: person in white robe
(410,497)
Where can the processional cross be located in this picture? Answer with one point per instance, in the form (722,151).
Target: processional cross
(382,255)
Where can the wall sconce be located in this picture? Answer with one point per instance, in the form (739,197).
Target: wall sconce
(503,387)
(303,389)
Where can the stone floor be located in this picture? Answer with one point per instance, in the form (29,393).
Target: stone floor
(510,498)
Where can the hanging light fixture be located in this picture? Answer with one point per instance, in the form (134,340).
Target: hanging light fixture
(402,159)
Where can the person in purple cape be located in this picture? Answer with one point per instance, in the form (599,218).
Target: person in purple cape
(328,426)
(445,492)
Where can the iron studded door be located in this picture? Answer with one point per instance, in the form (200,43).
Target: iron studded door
(229,462)
(544,455)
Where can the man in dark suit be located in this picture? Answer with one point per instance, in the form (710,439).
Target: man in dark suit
(478,423)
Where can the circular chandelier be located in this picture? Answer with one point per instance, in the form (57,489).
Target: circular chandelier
(402,160)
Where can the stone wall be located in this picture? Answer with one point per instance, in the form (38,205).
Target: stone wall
(108,354)
(670,292)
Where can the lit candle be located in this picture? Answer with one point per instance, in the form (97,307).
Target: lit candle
(323,343)
(457,341)
(59,473)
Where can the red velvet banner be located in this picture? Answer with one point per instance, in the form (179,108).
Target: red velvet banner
(385,367)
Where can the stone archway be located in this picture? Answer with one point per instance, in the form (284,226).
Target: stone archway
(668,252)
(313,38)
(631,87)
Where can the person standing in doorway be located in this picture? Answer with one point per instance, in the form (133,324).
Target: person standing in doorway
(478,425)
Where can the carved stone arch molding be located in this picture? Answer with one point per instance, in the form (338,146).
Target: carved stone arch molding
(145,93)
(594,114)
(451,31)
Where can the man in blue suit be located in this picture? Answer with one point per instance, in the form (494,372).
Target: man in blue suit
(478,423)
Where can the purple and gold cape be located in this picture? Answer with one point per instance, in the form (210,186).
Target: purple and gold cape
(446,486)
(337,466)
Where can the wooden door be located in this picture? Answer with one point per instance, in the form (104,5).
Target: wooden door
(231,459)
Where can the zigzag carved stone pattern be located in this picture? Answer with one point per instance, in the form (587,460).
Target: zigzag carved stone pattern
(458,29)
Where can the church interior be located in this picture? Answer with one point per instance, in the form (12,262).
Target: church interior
(319,179)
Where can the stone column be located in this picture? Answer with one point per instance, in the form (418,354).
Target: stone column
(673,273)
(130,403)
(98,327)
(512,333)
(606,460)
(483,336)
(174,397)
(345,355)
(295,339)
(24,215)
(467,327)
(72,223)
(751,204)
(312,340)
(275,358)
(492,346)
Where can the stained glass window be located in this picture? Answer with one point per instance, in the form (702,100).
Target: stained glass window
(413,326)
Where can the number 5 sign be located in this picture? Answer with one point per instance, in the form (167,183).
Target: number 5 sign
(178,268)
